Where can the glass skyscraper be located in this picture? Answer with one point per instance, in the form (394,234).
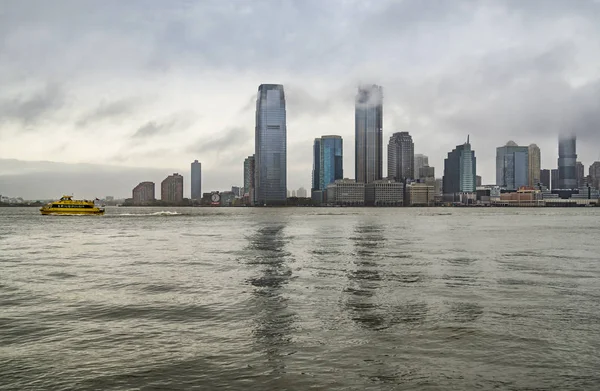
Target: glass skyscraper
(567,161)
(270,146)
(460,169)
(401,157)
(196,180)
(249,175)
(512,166)
(331,164)
(316,165)
(368,132)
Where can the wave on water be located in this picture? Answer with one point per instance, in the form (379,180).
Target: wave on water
(161,213)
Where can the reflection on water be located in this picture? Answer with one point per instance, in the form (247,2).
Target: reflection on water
(273,320)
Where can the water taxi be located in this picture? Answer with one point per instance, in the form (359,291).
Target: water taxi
(68,206)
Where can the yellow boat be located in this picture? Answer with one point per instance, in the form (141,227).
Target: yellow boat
(68,206)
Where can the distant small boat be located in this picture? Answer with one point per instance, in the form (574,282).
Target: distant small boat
(68,206)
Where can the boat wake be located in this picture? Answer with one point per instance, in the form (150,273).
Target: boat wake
(161,213)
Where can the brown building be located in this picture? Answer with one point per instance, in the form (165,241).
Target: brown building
(171,189)
(525,196)
(143,194)
(419,194)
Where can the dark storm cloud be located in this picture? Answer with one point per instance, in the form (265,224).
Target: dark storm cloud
(28,109)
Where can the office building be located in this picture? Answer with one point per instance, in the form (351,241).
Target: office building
(171,189)
(384,192)
(143,194)
(237,191)
(567,162)
(535,165)
(327,161)
(368,134)
(419,194)
(301,193)
(196,180)
(545,178)
(401,157)
(420,162)
(477,181)
(346,192)
(426,172)
(460,169)
(270,155)
(554,179)
(512,166)
(595,175)
(580,173)
(249,174)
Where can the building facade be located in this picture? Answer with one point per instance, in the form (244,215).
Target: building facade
(270,178)
(419,162)
(346,192)
(512,166)
(567,162)
(580,173)
(196,180)
(460,169)
(419,194)
(368,134)
(545,178)
(316,171)
(171,189)
(401,157)
(535,165)
(426,172)
(249,174)
(144,193)
(595,175)
(301,193)
(554,179)
(384,192)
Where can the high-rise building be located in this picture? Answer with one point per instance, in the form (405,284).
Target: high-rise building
(270,146)
(420,161)
(567,162)
(196,180)
(535,165)
(554,177)
(330,161)
(368,131)
(316,172)
(301,193)
(460,169)
(143,194)
(580,171)
(545,178)
(249,176)
(426,172)
(595,175)
(478,181)
(401,157)
(171,189)
(512,166)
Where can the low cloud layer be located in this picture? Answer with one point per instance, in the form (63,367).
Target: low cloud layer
(154,84)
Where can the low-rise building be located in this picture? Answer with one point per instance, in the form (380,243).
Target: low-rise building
(143,194)
(419,194)
(346,192)
(384,192)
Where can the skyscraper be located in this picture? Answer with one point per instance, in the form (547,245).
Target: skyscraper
(196,180)
(567,159)
(368,132)
(545,178)
(171,189)
(595,174)
(249,176)
(580,171)
(420,161)
(460,169)
(512,166)
(331,160)
(554,176)
(143,194)
(270,146)
(401,157)
(535,165)
(316,180)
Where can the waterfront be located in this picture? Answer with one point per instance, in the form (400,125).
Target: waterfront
(300,298)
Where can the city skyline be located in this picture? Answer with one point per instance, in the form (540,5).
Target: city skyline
(160,97)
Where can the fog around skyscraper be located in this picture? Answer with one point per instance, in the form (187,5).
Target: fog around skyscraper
(85,83)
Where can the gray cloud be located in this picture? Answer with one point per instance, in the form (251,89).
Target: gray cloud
(174,123)
(115,110)
(28,109)
(226,140)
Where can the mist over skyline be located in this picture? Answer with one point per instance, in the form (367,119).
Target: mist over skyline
(156,85)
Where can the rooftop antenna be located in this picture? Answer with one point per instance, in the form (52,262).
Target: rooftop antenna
(468,138)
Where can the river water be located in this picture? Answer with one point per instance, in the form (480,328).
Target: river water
(301,298)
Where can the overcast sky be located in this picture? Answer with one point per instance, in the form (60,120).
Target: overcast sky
(161,83)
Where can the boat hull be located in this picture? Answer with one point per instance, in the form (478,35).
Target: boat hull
(71,212)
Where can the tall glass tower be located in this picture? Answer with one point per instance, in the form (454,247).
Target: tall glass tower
(368,133)
(512,166)
(460,169)
(401,157)
(196,180)
(270,146)
(316,165)
(567,162)
(331,167)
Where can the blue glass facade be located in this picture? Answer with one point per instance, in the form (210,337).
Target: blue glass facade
(460,169)
(270,146)
(331,156)
(196,180)
(512,166)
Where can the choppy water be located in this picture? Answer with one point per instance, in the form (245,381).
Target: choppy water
(298,299)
